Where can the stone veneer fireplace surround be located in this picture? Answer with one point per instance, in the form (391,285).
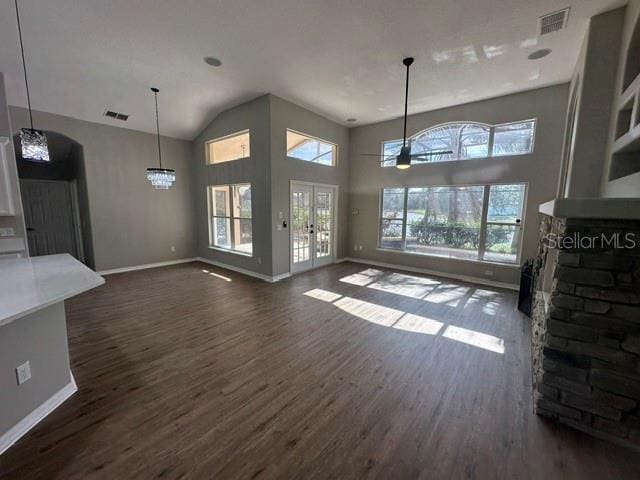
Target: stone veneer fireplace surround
(586,320)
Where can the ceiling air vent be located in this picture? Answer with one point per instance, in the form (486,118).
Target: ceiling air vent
(116,115)
(553,21)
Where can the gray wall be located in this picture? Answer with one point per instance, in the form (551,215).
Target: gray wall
(285,115)
(22,340)
(253,115)
(593,81)
(628,186)
(539,169)
(131,223)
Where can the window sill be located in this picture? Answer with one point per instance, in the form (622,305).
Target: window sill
(442,257)
(235,252)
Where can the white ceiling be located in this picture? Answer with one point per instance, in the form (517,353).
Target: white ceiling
(338,58)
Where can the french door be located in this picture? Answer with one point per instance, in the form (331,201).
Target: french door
(312,225)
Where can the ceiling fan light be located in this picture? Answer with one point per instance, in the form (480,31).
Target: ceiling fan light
(403,162)
(34,145)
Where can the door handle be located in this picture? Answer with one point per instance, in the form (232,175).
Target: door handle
(31,229)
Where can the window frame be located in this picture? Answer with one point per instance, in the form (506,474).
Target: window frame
(490,142)
(207,147)
(231,217)
(335,146)
(483,223)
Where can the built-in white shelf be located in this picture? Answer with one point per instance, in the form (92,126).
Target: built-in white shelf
(626,147)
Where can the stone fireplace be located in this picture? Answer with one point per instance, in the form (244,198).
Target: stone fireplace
(586,317)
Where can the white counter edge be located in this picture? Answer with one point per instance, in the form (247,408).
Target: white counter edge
(60,298)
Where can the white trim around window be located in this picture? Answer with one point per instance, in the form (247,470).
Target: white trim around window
(477,223)
(229,212)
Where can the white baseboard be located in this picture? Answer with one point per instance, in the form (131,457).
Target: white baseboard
(145,266)
(464,278)
(244,271)
(35,417)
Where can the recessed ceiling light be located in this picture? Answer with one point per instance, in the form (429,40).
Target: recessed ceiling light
(213,61)
(352,120)
(543,52)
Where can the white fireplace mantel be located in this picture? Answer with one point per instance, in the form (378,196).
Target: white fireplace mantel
(597,208)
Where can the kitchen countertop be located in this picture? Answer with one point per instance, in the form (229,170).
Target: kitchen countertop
(30,284)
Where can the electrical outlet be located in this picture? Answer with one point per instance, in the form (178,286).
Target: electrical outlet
(259,260)
(23,372)
(7,232)
(173,248)
(488,273)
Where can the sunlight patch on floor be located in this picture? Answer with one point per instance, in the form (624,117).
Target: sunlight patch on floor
(477,339)
(217,275)
(409,322)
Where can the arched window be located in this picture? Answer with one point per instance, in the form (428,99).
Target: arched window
(466,140)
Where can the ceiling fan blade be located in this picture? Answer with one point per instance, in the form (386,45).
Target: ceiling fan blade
(431,154)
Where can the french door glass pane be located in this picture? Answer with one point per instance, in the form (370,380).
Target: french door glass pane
(301,207)
(221,232)
(323,224)
(448,224)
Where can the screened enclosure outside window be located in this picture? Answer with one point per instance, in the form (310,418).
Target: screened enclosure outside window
(466,140)
(230,218)
(477,222)
(229,148)
(310,149)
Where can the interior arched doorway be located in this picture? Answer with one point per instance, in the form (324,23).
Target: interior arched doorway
(55,200)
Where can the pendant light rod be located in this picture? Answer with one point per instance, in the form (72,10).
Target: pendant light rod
(24,64)
(155,94)
(407,61)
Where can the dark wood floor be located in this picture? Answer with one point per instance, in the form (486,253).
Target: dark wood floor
(183,374)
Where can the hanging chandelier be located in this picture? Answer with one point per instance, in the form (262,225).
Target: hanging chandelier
(33,142)
(160,178)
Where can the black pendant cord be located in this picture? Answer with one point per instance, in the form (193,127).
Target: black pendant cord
(407,62)
(24,65)
(155,93)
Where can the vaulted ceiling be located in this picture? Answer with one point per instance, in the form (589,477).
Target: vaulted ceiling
(339,58)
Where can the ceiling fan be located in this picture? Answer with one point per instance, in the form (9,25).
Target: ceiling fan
(403,161)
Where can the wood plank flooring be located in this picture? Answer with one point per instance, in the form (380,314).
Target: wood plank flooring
(330,374)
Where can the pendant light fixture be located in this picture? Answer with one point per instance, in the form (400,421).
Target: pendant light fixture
(33,142)
(160,178)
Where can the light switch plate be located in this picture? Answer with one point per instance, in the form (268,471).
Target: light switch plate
(23,372)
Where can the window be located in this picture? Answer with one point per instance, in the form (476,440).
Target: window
(454,221)
(309,149)
(466,141)
(230,218)
(231,147)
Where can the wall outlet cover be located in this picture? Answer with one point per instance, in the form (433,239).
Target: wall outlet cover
(23,372)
